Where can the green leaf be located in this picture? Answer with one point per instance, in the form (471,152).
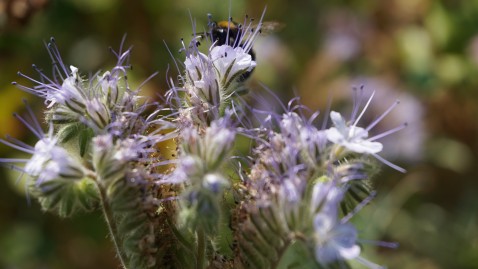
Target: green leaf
(84,140)
(298,255)
(69,131)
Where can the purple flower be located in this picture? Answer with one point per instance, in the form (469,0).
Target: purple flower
(335,241)
(48,161)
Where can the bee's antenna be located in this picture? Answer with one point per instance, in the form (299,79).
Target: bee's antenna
(250,40)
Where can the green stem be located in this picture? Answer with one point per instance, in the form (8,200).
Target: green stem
(281,252)
(201,256)
(105,206)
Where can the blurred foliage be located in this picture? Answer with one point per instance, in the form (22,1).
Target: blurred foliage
(423,52)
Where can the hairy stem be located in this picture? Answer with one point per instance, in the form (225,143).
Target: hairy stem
(201,255)
(108,214)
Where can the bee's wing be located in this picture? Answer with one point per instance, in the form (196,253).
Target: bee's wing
(270,27)
(266,28)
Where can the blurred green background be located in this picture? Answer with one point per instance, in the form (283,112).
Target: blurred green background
(423,52)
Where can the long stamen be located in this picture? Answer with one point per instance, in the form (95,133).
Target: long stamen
(356,103)
(174,61)
(33,119)
(327,112)
(364,109)
(8,160)
(26,150)
(18,142)
(379,243)
(56,53)
(389,132)
(250,40)
(42,75)
(29,126)
(394,166)
(359,207)
(375,122)
(369,264)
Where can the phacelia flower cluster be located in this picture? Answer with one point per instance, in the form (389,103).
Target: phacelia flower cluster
(186,183)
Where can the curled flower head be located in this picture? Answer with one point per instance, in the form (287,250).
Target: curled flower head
(49,162)
(112,155)
(104,103)
(203,151)
(70,94)
(200,74)
(98,114)
(288,158)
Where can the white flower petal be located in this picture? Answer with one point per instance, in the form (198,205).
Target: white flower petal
(230,62)
(365,147)
(338,121)
(353,138)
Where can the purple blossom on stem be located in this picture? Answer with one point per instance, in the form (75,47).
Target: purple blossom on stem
(48,160)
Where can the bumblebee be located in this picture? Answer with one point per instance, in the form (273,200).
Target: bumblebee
(229,33)
(234,34)
(225,32)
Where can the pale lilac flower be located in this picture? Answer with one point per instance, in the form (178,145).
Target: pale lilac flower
(293,191)
(335,241)
(213,81)
(201,74)
(131,149)
(48,161)
(356,139)
(51,161)
(326,196)
(231,62)
(113,154)
(71,93)
(64,87)
(287,159)
(103,103)
(353,138)
(195,64)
